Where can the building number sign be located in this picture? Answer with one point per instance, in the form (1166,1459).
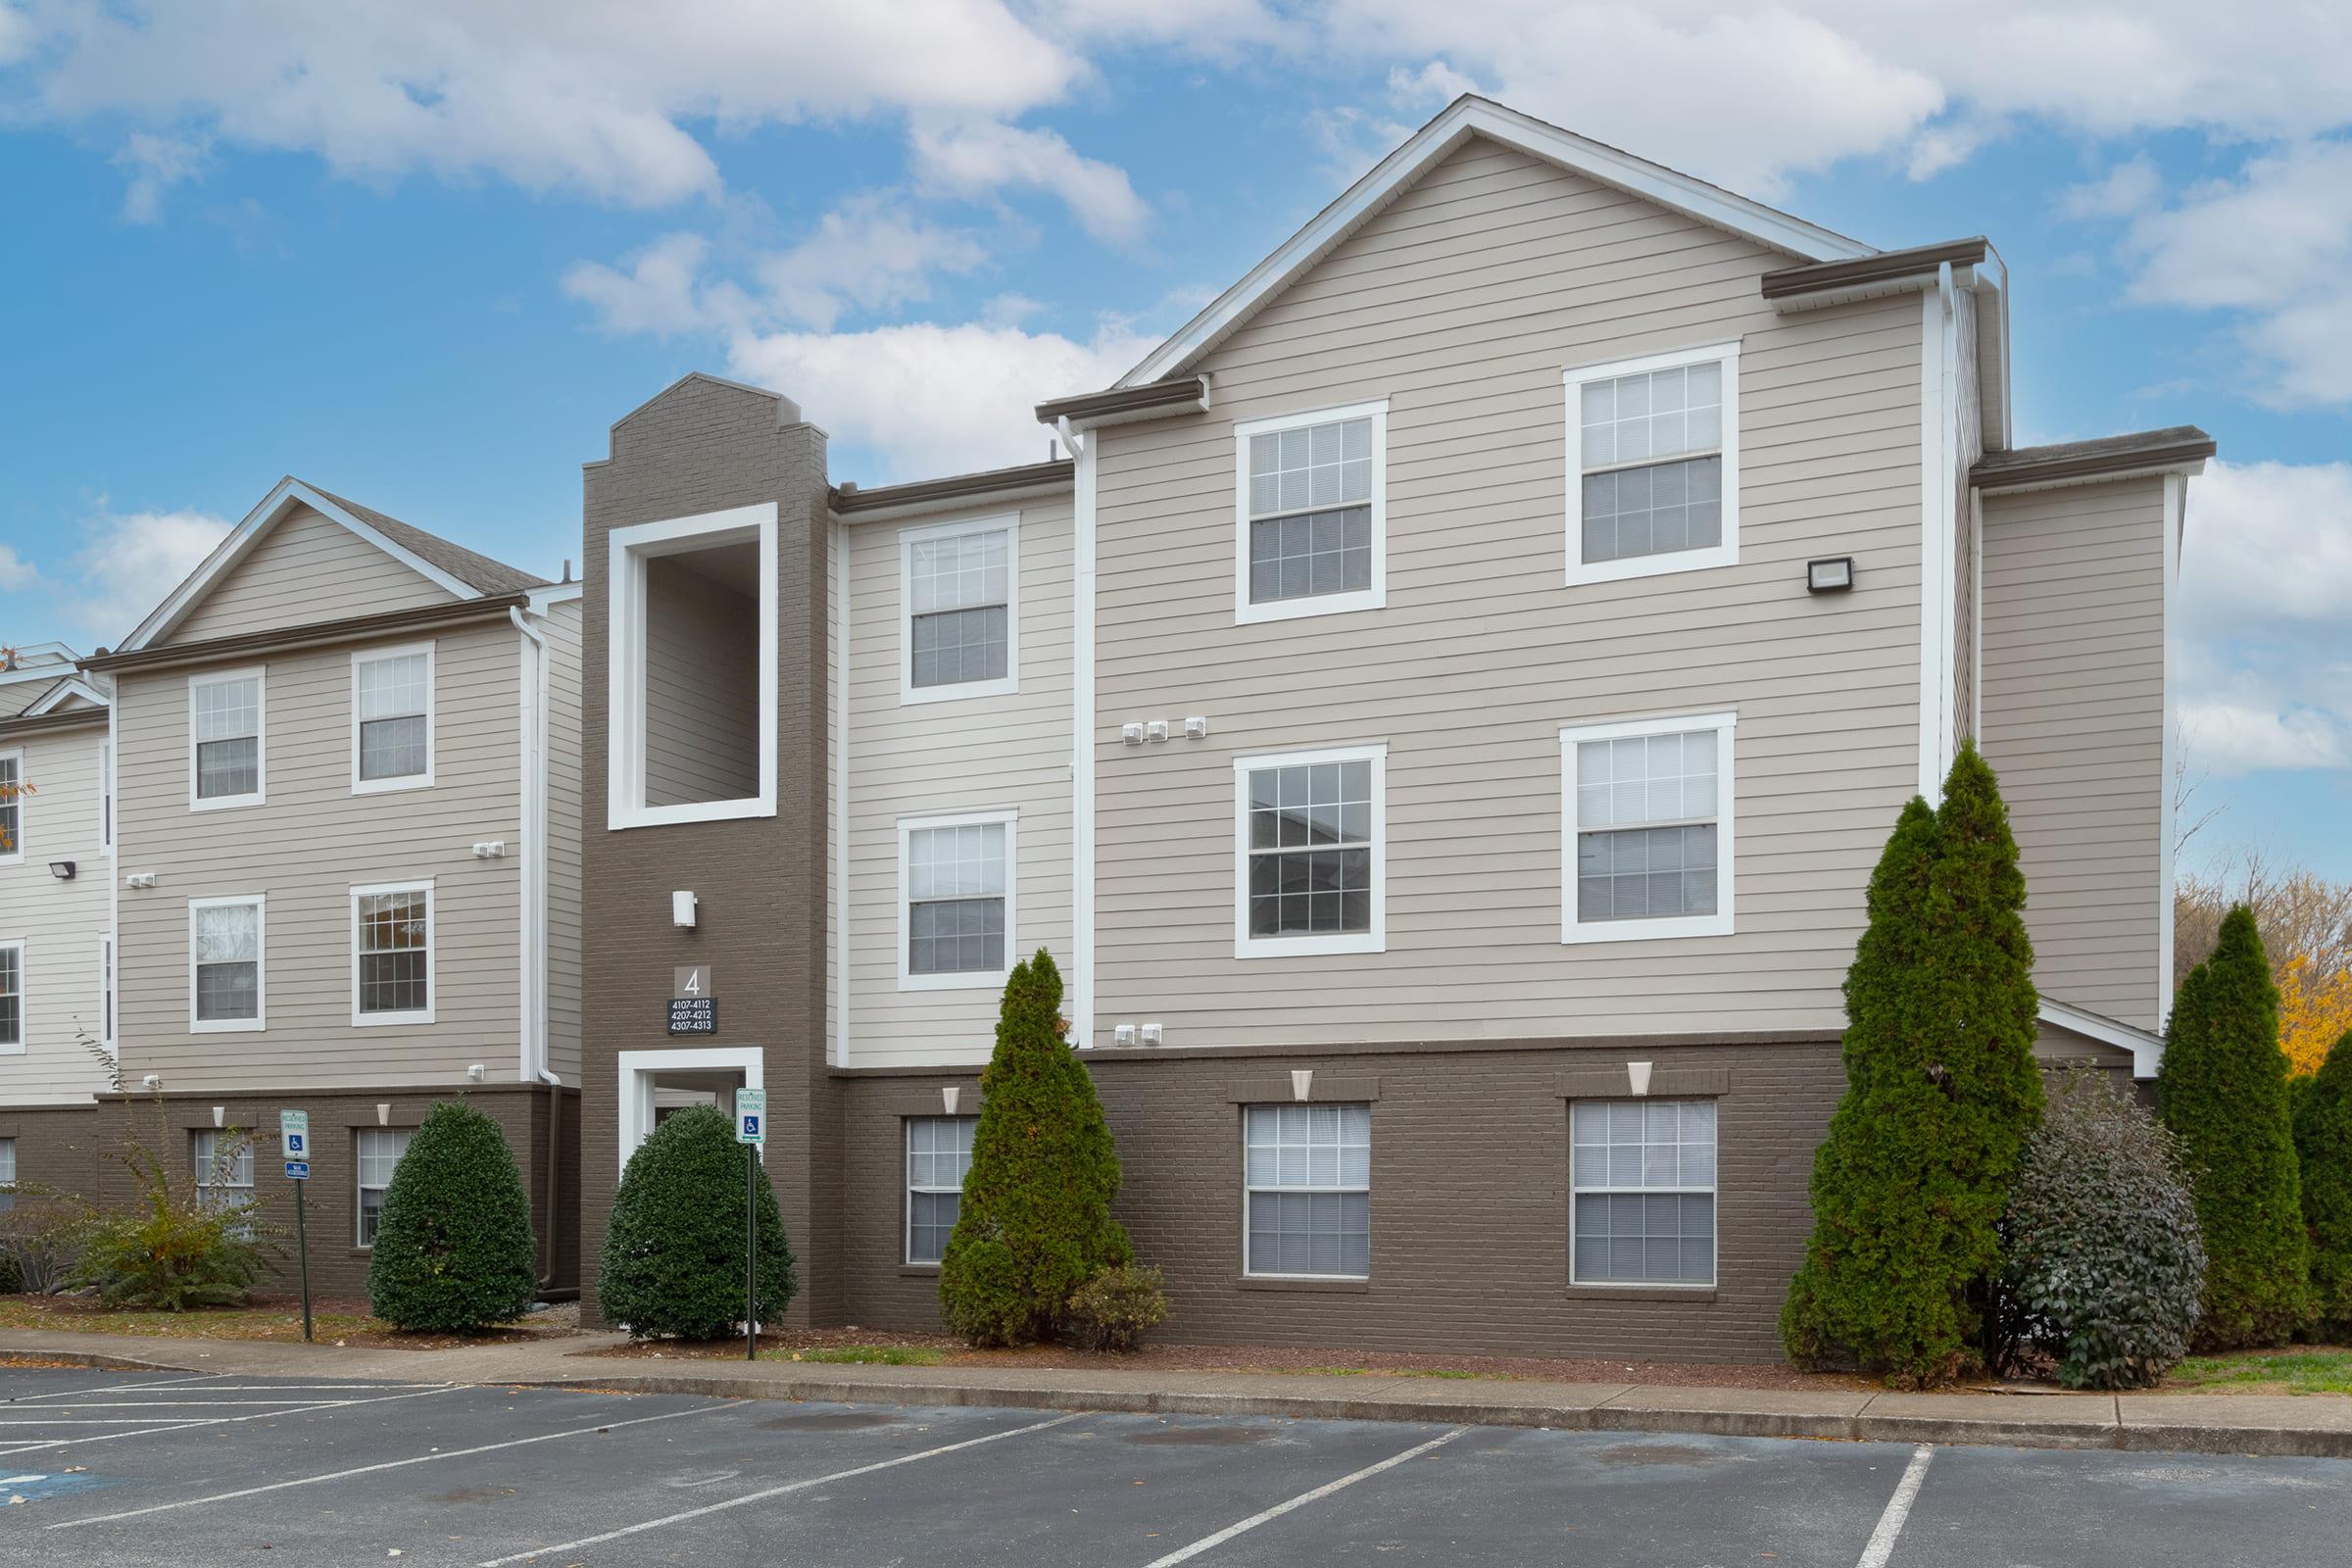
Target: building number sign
(693,1000)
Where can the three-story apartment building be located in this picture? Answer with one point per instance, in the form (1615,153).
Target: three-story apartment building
(1441,718)
(57,1016)
(345,857)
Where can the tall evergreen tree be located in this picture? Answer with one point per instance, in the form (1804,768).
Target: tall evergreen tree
(2323,1151)
(1035,1222)
(1941,1091)
(2222,1089)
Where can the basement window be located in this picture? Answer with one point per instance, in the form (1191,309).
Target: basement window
(693,668)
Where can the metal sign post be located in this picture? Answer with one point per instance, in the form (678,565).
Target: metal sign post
(751,1131)
(294,1131)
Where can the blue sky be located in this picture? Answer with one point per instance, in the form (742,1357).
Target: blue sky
(423,252)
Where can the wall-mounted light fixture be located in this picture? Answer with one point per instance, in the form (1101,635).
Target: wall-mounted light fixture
(219,1115)
(63,871)
(1832,577)
(683,912)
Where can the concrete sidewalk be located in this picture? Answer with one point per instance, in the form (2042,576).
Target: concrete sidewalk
(2318,1426)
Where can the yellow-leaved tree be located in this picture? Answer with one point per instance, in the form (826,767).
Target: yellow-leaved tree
(2315,1012)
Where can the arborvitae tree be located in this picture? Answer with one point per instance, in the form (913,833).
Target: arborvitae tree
(2324,1148)
(1941,1091)
(674,1254)
(1035,1223)
(2222,1089)
(454,1252)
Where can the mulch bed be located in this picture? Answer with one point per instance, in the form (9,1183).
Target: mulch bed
(335,1320)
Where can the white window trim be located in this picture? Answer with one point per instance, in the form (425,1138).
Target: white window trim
(1250,1273)
(24,995)
(968,979)
(1376,597)
(638,1069)
(1009,525)
(14,854)
(1714,1280)
(259,674)
(1376,940)
(359,1193)
(907,1256)
(412,781)
(1725,554)
(259,1021)
(432,956)
(626,552)
(1718,924)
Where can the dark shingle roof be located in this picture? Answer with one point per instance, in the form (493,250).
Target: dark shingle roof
(475,570)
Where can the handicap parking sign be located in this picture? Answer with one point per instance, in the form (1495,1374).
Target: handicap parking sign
(750,1111)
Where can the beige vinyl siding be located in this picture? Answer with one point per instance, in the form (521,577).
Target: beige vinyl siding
(701,688)
(2073,724)
(306,848)
(562,629)
(61,923)
(305,570)
(1461,305)
(948,757)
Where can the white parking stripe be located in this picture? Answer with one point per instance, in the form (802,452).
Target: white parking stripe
(96,1421)
(1899,1508)
(777,1492)
(1209,1543)
(164,1404)
(113,1388)
(45,1444)
(392,1464)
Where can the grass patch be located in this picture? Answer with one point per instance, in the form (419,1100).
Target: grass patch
(860,1356)
(203,1323)
(2267,1371)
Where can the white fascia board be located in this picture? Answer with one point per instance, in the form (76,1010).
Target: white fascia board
(1464,118)
(71,686)
(2147,1050)
(561,592)
(250,531)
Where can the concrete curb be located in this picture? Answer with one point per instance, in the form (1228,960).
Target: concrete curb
(101,1363)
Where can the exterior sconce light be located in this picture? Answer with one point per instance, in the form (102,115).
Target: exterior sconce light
(1832,577)
(63,871)
(682,910)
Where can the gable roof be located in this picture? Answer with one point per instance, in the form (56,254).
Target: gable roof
(1466,116)
(464,573)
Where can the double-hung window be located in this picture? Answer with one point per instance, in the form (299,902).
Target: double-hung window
(392,954)
(12,998)
(1310,513)
(1309,856)
(1642,1174)
(939,1156)
(1307,1171)
(956,903)
(1653,465)
(223,1169)
(392,718)
(12,807)
(960,584)
(377,1153)
(226,963)
(1645,819)
(225,728)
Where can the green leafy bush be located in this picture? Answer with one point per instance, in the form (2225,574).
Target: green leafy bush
(172,1249)
(673,1253)
(2103,1268)
(40,1241)
(1116,1309)
(2323,1151)
(1942,1090)
(1036,1220)
(2222,1089)
(454,1251)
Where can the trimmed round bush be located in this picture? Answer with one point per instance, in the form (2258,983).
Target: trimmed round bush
(673,1252)
(1035,1223)
(2222,1089)
(2104,1270)
(1116,1309)
(2323,1146)
(454,1252)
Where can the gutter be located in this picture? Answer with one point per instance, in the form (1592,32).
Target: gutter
(358,628)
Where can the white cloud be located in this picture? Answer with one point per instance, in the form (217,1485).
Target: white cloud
(128,563)
(2265,668)
(660,293)
(156,164)
(1216,27)
(16,572)
(980,158)
(590,96)
(936,398)
(869,254)
(2127,188)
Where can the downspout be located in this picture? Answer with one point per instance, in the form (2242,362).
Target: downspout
(535,963)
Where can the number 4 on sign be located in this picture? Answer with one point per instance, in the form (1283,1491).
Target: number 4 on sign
(694,983)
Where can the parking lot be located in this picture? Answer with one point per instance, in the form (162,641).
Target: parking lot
(124,1468)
